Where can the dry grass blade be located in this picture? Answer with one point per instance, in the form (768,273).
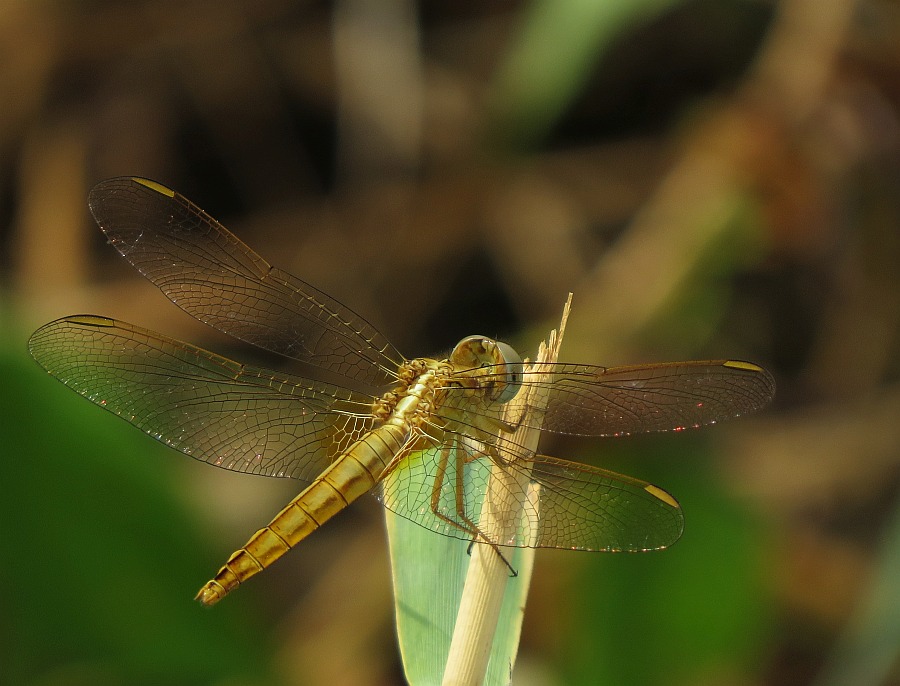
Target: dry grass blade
(488,574)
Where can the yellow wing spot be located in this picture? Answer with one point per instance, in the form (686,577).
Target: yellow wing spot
(748,366)
(152,185)
(662,495)
(91,320)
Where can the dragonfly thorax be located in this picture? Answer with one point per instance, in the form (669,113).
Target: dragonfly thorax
(414,394)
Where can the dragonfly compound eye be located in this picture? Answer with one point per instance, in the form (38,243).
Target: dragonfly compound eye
(472,352)
(501,364)
(512,364)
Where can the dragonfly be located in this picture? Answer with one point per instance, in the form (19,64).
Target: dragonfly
(361,412)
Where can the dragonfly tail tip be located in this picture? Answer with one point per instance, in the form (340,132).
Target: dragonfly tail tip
(210,594)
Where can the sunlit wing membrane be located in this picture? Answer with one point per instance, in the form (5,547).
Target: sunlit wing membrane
(573,506)
(588,508)
(216,410)
(614,401)
(208,272)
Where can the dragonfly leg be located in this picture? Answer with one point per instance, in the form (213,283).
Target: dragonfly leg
(464,523)
(512,570)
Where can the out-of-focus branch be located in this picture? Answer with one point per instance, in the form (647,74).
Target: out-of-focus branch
(705,189)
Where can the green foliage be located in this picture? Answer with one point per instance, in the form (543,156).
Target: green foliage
(101,559)
(682,615)
(552,56)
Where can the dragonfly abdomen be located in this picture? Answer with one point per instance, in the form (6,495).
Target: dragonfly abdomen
(352,474)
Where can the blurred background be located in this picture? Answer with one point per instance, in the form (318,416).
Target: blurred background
(711,179)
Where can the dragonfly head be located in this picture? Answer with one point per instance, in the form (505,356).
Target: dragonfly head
(502,365)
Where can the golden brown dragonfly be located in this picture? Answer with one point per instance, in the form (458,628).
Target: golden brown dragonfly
(371,409)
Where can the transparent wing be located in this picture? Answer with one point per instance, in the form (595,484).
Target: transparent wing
(216,410)
(563,504)
(208,272)
(614,401)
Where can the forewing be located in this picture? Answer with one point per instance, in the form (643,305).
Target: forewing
(216,410)
(208,272)
(615,401)
(598,401)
